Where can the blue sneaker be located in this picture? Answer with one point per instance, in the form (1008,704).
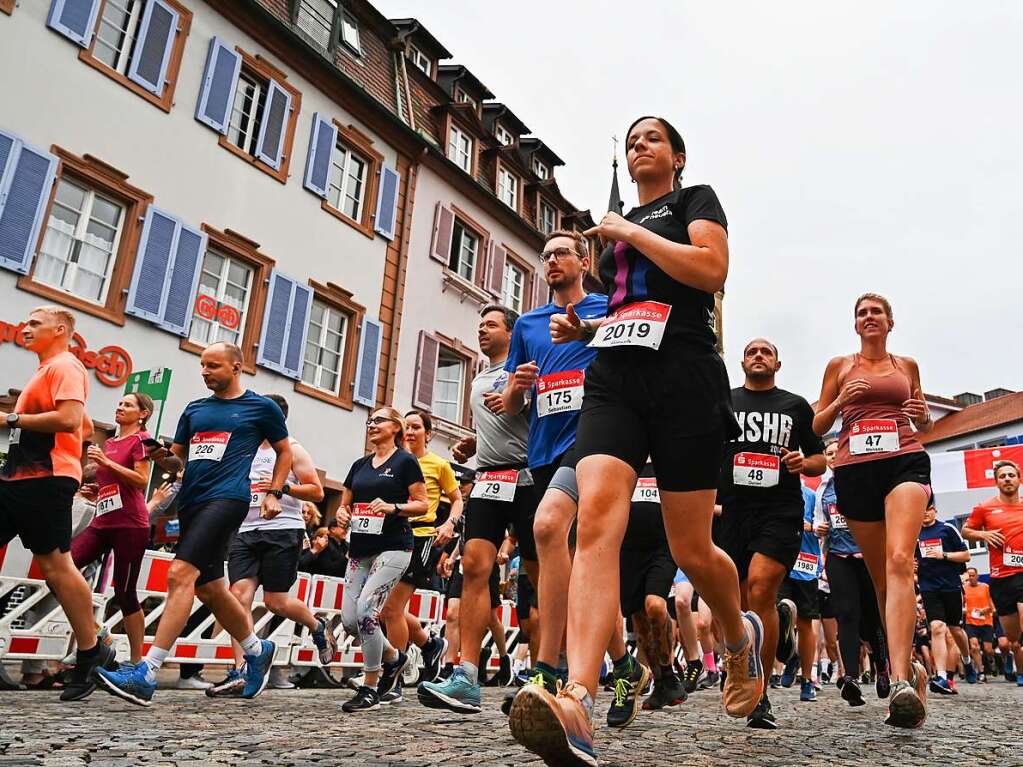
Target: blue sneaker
(456,693)
(326,644)
(971,673)
(941,686)
(788,676)
(129,683)
(1019,680)
(257,669)
(807,693)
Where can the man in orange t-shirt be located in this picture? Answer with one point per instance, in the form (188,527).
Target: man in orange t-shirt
(41,474)
(980,615)
(999,523)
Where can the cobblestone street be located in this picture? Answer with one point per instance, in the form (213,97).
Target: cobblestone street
(301,727)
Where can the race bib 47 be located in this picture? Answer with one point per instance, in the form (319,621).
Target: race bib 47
(879,435)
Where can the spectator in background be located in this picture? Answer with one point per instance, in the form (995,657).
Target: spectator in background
(313,518)
(327,552)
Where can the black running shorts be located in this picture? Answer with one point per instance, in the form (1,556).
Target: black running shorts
(269,556)
(862,487)
(491,519)
(38,511)
(457,581)
(1007,593)
(774,530)
(944,606)
(803,594)
(206,530)
(674,408)
(644,573)
(423,565)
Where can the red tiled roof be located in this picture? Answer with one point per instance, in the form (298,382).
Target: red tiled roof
(983,415)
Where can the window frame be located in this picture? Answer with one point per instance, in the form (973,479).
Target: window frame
(543,203)
(165,102)
(500,129)
(250,289)
(469,360)
(452,128)
(258,67)
(543,173)
(517,186)
(358,142)
(111,182)
(241,248)
(296,9)
(416,56)
(462,97)
(511,264)
(468,222)
(338,299)
(347,16)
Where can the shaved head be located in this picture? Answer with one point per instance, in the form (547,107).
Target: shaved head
(233,353)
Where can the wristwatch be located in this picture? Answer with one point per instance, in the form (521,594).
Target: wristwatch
(398,508)
(12,419)
(275,493)
(286,489)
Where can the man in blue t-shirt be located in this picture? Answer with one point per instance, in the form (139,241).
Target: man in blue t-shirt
(799,591)
(217,437)
(942,555)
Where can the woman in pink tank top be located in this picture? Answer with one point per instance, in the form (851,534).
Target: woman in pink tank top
(882,483)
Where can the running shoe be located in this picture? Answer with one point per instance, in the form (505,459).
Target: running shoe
(788,676)
(555,728)
(851,692)
(691,681)
(883,684)
(279,679)
(627,689)
(668,691)
(456,694)
(762,717)
(257,669)
(744,681)
(971,673)
(326,644)
(232,685)
(131,684)
(394,696)
(365,699)
(826,675)
(390,672)
(503,676)
(786,630)
(82,681)
(433,658)
(774,681)
(807,693)
(710,680)
(533,676)
(941,686)
(1019,680)
(907,708)
(193,682)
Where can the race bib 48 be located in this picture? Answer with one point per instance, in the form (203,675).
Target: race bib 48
(755,469)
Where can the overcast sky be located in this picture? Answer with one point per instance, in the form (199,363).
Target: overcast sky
(854,147)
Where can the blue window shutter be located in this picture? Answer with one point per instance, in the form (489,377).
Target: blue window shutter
(24,194)
(75,19)
(219,81)
(273,339)
(387,202)
(298,329)
(153,46)
(369,363)
(322,140)
(157,245)
(277,109)
(183,281)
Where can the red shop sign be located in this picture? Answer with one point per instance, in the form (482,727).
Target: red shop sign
(208,308)
(111,365)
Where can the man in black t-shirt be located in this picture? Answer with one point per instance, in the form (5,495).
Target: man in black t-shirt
(761,521)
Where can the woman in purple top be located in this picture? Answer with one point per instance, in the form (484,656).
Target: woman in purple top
(121,524)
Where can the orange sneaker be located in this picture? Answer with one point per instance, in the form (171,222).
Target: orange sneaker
(744,679)
(557,729)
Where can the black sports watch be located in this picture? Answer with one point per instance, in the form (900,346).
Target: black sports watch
(286,489)
(275,493)
(12,419)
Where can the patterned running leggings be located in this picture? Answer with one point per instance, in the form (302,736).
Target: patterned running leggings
(367,583)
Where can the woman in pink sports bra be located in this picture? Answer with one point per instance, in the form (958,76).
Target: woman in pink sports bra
(882,483)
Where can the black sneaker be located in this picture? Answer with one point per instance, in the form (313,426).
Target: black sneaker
(365,699)
(231,686)
(786,630)
(762,717)
(433,656)
(503,676)
(711,680)
(390,673)
(692,677)
(534,676)
(668,691)
(883,685)
(81,681)
(484,664)
(775,681)
(446,672)
(625,704)
(851,692)
(326,643)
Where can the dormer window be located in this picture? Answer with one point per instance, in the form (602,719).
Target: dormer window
(541,170)
(464,98)
(503,135)
(420,61)
(460,148)
(508,188)
(316,18)
(350,33)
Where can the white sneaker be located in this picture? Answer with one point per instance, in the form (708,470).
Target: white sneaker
(279,678)
(195,682)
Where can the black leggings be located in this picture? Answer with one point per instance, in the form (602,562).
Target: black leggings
(854,603)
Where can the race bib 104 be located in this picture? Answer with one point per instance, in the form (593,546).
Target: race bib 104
(755,469)
(108,499)
(646,491)
(208,445)
(880,435)
(496,485)
(639,324)
(559,392)
(807,563)
(366,521)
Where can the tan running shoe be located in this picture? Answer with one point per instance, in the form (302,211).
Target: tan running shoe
(907,708)
(744,672)
(555,728)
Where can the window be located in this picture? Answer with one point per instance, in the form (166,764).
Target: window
(140,46)
(512,286)
(80,242)
(464,98)
(449,395)
(508,188)
(247,112)
(325,347)
(465,245)
(420,61)
(350,32)
(460,148)
(222,301)
(347,185)
(503,135)
(548,218)
(316,19)
(974,547)
(540,169)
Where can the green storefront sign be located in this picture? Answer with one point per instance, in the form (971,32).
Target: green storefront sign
(155,383)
